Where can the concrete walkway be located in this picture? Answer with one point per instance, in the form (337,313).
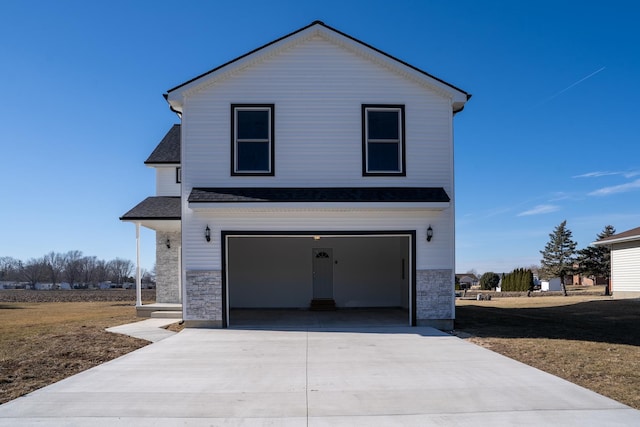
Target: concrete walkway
(339,377)
(149,329)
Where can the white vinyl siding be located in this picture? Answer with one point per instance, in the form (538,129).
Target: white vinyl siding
(166,181)
(318,89)
(202,255)
(625,267)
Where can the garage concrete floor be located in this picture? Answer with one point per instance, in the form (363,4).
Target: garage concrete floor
(304,319)
(375,376)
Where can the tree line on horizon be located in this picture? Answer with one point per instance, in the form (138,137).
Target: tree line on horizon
(559,259)
(71,267)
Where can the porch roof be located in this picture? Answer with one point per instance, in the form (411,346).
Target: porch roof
(155,208)
(319,195)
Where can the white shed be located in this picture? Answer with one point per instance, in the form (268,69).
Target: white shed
(551,285)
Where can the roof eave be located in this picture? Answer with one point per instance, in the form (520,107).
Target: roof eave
(610,242)
(154,164)
(320,206)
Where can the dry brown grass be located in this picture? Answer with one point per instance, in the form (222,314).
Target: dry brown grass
(44,342)
(589,340)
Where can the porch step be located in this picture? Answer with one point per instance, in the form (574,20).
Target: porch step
(166,315)
(322,304)
(146,309)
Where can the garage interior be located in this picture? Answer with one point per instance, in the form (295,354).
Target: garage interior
(315,280)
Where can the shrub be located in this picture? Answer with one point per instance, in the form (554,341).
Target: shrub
(489,281)
(519,280)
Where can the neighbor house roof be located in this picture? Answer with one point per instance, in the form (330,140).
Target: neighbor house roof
(155,208)
(625,236)
(168,150)
(311,195)
(317,28)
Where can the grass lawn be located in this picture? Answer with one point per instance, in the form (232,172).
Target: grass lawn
(592,341)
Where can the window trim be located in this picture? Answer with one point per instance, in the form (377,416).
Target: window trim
(178,175)
(401,140)
(253,107)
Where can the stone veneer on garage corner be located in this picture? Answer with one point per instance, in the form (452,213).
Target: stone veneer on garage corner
(435,298)
(203,302)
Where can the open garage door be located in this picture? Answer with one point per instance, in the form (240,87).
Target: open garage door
(280,276)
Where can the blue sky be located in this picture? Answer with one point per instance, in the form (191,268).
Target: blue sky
(551,132)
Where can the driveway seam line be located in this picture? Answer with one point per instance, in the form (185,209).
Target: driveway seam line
(306,385)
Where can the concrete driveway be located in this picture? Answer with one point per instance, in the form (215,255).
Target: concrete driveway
(346,377)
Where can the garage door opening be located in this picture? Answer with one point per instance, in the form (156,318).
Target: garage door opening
(278,280)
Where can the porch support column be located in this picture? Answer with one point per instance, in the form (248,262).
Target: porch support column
(138,278)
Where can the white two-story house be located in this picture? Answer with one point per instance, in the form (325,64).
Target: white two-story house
(314,172)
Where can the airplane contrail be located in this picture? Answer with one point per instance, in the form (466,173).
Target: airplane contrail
(570,86)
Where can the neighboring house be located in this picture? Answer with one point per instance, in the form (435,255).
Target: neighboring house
(580,280)
(466,281)
(316,171)
(625,263)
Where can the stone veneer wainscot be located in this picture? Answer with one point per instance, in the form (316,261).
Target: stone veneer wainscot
(203,302)
(435,298)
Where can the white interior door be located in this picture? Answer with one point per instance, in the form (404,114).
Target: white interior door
(322,273)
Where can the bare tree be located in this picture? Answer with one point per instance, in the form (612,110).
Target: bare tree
(121,269)
(55,263)
(73,267)
(88,270)
(34,271)
(9,269)
(101,272)
(147,277)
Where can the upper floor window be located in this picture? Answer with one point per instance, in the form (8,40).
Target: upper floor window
(383,141)
(252,144)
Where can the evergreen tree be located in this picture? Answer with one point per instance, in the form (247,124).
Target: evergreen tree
(595,261)
(489,280)
(558,254)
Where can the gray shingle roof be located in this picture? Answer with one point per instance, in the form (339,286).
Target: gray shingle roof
(168,150)
(158,207)
(333,194)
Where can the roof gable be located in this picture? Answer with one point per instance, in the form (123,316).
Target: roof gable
(316,29)
(168,150)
